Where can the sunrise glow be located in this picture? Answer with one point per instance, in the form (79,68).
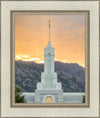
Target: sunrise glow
(67,36)
(27,58)
(37,60)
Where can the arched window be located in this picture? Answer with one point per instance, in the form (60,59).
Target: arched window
(48,99)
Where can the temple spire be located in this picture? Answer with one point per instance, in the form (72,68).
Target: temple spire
(49,42)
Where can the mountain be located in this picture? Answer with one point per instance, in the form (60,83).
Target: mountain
(27,74)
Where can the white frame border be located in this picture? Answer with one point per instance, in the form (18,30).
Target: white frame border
(93,7)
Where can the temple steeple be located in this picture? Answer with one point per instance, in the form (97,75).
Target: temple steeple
(49,85)
(49,42)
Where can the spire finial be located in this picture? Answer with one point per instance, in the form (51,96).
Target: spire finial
(49,43)
(49,22)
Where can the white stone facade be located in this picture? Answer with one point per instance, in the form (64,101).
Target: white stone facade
(49,85)
(68,97)
(46,82)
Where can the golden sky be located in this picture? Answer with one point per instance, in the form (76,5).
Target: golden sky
(67,36)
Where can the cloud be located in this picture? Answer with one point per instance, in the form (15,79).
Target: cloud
(65,61)
(27,58)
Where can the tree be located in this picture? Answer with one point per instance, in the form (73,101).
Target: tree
(19,98)
(83,99)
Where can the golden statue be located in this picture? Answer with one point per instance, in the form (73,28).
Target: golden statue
(49,22)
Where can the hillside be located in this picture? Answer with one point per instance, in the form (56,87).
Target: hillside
(27,74)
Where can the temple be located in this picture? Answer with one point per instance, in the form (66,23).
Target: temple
(49,90)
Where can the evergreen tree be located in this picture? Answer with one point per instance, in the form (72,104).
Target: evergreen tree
(19,98)
(83,99)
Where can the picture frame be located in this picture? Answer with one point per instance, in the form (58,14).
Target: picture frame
(8,108)
(13,14)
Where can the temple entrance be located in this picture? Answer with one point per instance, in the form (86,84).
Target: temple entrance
(48,99)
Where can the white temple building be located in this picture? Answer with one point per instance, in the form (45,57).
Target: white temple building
(49,90)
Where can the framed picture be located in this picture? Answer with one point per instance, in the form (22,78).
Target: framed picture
(61,81)
(50,59)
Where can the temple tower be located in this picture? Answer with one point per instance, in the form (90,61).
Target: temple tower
(49,90)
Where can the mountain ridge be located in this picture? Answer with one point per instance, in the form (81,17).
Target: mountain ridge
(27,74)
